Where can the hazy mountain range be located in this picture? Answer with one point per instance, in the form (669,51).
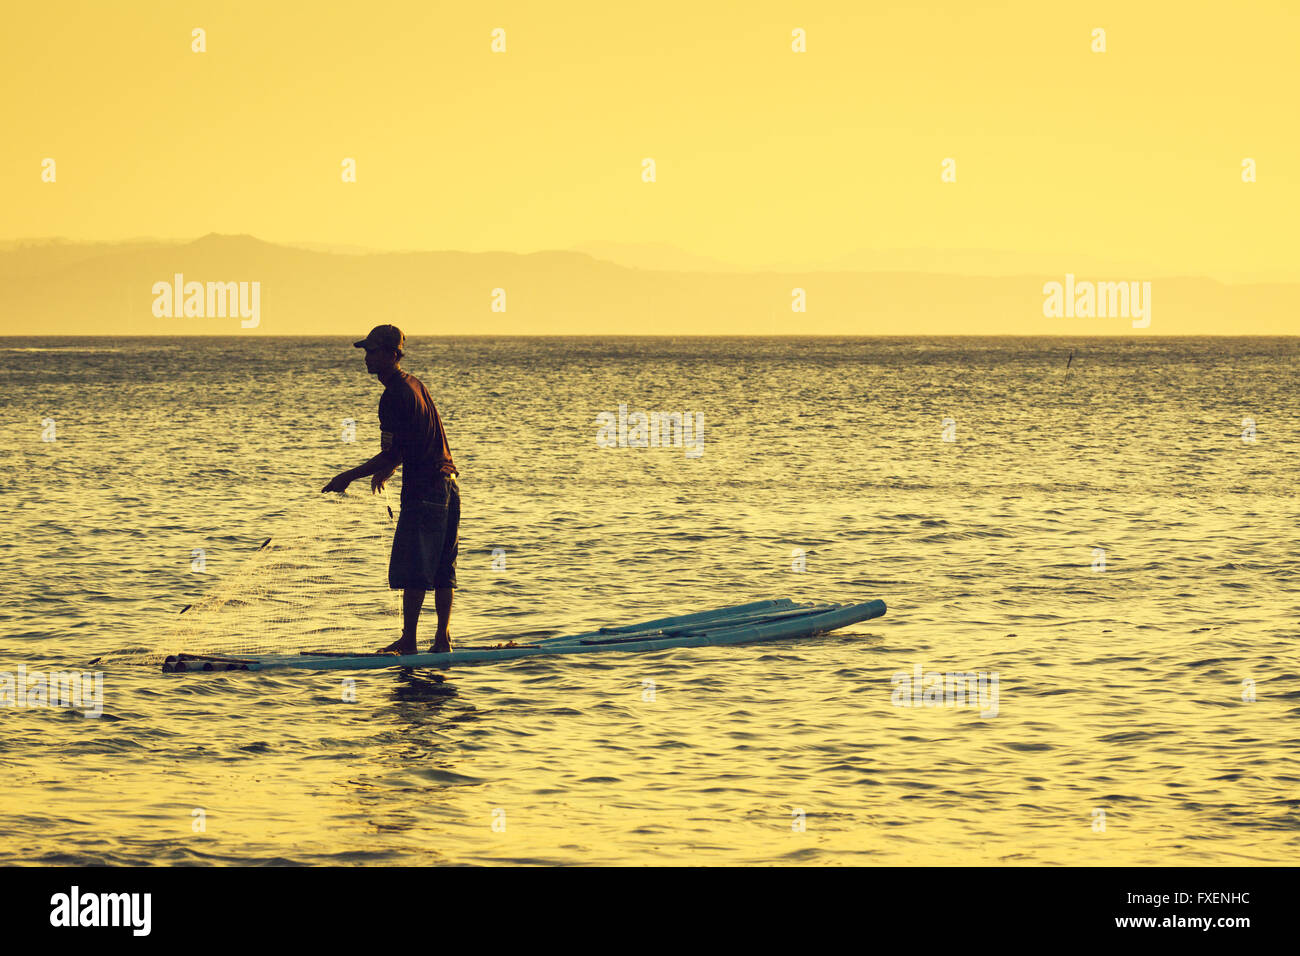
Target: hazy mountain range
(63,287)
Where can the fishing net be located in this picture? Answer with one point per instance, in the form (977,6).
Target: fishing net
(318,583)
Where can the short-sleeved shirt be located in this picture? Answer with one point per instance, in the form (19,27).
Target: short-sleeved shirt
(409,424)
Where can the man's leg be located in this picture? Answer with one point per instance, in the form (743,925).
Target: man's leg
(412,603)
(442,604)
(445,582)
(404,565)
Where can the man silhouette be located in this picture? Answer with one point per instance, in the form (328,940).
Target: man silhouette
(426,541)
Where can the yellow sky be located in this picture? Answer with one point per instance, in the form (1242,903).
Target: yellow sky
(764,156)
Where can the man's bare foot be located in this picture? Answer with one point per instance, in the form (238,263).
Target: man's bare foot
(401,646)
(441,644)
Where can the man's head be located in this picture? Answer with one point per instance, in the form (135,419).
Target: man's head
(383,348)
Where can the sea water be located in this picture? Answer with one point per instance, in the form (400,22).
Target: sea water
(1106,553)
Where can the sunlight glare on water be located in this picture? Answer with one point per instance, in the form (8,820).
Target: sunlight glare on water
(1116,542)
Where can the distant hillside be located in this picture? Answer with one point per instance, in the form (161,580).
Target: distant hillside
(655,256)
(105,288)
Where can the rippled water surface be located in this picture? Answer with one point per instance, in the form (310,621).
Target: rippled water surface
(1147,712)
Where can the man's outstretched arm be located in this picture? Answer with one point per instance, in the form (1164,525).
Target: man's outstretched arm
(381,466)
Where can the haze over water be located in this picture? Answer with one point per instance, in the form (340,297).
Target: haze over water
(1120,690)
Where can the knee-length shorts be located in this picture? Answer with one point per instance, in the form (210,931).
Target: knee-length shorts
(427,540)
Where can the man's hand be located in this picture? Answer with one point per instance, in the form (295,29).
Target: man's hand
(381,466)
(338,483)
(384,469)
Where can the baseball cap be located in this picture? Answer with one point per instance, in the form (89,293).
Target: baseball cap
(383,337)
